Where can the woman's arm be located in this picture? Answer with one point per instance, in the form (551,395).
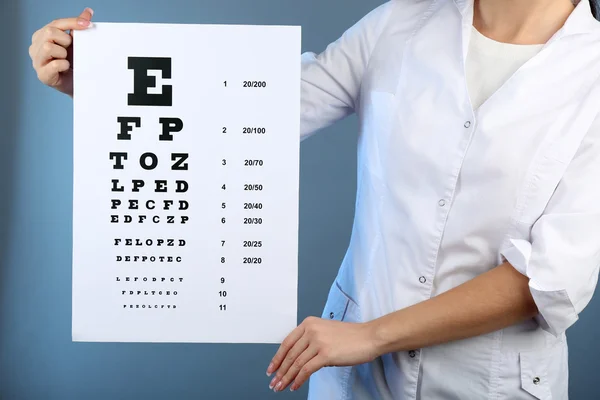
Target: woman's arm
(491,301)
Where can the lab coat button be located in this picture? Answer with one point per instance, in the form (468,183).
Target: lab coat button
(468,124)
(536,380)
(331,315)
(422,279)
(442,203)
(412,353)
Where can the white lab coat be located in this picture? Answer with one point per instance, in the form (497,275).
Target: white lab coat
(446,193)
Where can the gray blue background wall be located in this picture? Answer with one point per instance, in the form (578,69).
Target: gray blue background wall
(38,361)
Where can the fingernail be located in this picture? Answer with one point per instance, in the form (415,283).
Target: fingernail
(269,372)
(83,22)
(278,387)
(292,388)
(91,11)
(272,382)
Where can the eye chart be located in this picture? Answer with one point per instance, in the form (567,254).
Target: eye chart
(185,208)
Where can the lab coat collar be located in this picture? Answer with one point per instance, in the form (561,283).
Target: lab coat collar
(580,21)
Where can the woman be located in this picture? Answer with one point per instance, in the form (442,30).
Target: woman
(476,240)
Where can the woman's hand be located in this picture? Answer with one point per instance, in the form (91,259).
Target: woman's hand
(51,51)
(319,343)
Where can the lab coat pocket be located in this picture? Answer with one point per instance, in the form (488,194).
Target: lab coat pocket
(534,374)
(339,306)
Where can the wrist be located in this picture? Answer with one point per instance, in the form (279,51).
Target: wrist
(385,336)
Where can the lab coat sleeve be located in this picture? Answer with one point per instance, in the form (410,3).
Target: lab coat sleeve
(331,80)
(563,257)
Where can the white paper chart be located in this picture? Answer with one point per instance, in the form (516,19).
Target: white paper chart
(185,209)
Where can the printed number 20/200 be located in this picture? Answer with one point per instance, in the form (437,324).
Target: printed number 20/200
(251,84)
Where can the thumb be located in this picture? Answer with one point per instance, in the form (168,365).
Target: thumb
(87,14)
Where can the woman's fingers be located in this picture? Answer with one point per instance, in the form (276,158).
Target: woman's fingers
(289,360)
(48,36)
(51,46)
(67,24)
(296,366)
(47,52)
(51,34)
(55,31)
(57,36)
(312,366)
(49,74)
(64,24)
(325,343)
(88,13)
(286,345)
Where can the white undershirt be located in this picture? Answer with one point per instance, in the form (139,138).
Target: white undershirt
(491,63)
